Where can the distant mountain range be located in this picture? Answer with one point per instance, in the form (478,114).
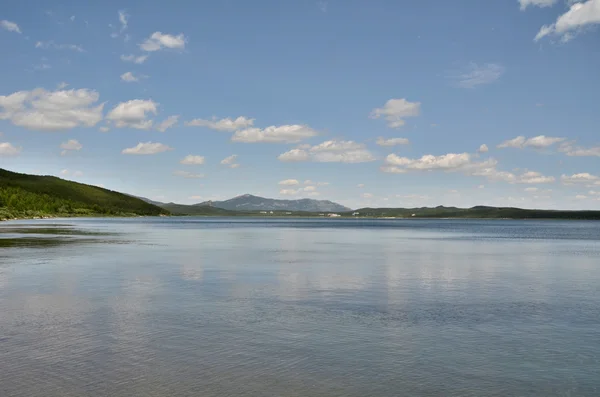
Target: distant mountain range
(248,202)
(251,203)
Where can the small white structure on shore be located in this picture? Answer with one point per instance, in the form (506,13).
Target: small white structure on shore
(333,215)
(355,213)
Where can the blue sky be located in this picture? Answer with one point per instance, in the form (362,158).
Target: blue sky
(378,103)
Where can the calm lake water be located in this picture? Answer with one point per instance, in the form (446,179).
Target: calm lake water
(250,307)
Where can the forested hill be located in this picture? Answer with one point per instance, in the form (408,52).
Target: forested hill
(23,195)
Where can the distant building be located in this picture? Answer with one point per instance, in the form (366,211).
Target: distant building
(333,215)
(355,213)
(263,212)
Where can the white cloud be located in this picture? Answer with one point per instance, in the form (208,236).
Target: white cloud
(10,26)
(147,148)
(445,162)
(62,85)
(167,123)
(307,190)
(70,145)
(483,148)
(594,193)
(192,160)
(531,189)
(322,4)
(392,141)
(536,3)
(396,110)
(479,75)
(330,152)
(104,129)
(288,192)
(226,124)
(529,177)
(123,18)
(158,41)
(135,59)
(581,197)
(360,185)
(579,15)
(129,77)
(51,110)
(230,161)
(538,142)
(133,114)
(583,177)
(367,195)
(7,149)
(578,151)
(51,45)
(289,182)
(188,175)
(274,134)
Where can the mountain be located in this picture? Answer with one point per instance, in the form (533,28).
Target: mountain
(23,195)
(248,202)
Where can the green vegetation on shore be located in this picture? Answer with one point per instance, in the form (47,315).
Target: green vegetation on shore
(32,196)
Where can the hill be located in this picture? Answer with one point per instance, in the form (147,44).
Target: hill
(475,212)
(197,210)
(23,195)
(248,202)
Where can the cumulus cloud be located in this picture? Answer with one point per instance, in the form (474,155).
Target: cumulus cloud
(167,123)
(129,77)
(188,175)
(226,124)
(10,26)
(51,45)
(158,41)
(536,3)
(538,142)
(134,59)
(476,75)
(529,177)
(192,160)
(567,25)
(330,152)
(305,191)
(133,114)
(396,110)
(289,182)
(447,162)
(579,151)
(288,192)
(230,161)
(274,134)
(7,149)
(51,110)
(360,185)
(584,177)
(70,145)
(147,148)
(392,141)
(483,148)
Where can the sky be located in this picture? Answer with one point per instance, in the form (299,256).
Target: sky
(367,103)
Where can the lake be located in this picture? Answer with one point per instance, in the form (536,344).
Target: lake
(299,307)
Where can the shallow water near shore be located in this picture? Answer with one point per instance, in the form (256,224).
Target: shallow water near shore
(299,307)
